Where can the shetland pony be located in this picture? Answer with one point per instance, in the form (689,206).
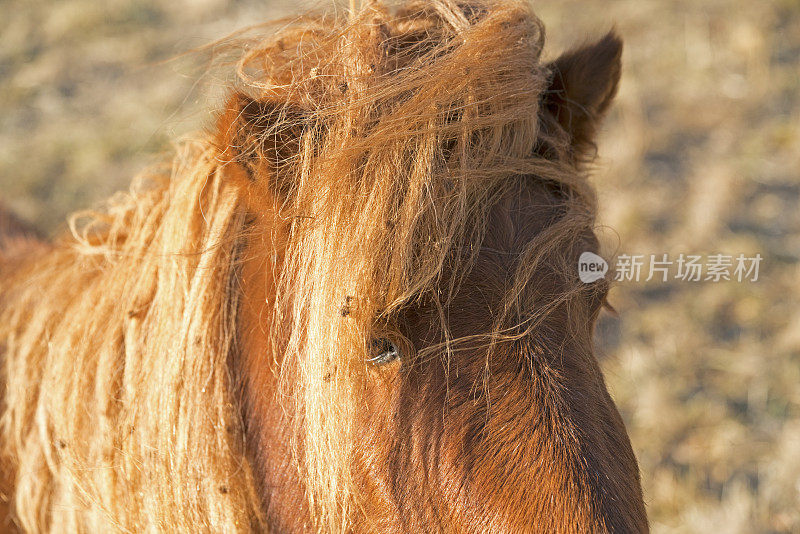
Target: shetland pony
(352,305)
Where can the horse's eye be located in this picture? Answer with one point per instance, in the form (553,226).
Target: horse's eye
(383,351)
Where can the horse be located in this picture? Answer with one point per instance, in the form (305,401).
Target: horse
(350,304)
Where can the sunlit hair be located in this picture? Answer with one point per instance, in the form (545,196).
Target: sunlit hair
(405,125)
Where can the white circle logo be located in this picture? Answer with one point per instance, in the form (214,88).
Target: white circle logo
(591,267)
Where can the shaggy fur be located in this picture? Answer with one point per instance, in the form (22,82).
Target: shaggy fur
(195,357)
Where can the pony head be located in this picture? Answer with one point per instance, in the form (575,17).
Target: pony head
(416,338)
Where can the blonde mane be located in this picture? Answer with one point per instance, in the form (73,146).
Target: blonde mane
(408,123)
(118,410)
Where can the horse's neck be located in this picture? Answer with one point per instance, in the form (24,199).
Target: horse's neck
(18,239)
(268,427)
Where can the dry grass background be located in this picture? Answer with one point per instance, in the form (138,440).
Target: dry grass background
(700,155)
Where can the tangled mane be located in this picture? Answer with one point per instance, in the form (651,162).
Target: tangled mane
(377,141)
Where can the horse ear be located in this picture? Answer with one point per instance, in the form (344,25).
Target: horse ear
(584,83)
(263,137)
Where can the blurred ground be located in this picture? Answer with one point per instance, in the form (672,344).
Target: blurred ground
(701,155)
